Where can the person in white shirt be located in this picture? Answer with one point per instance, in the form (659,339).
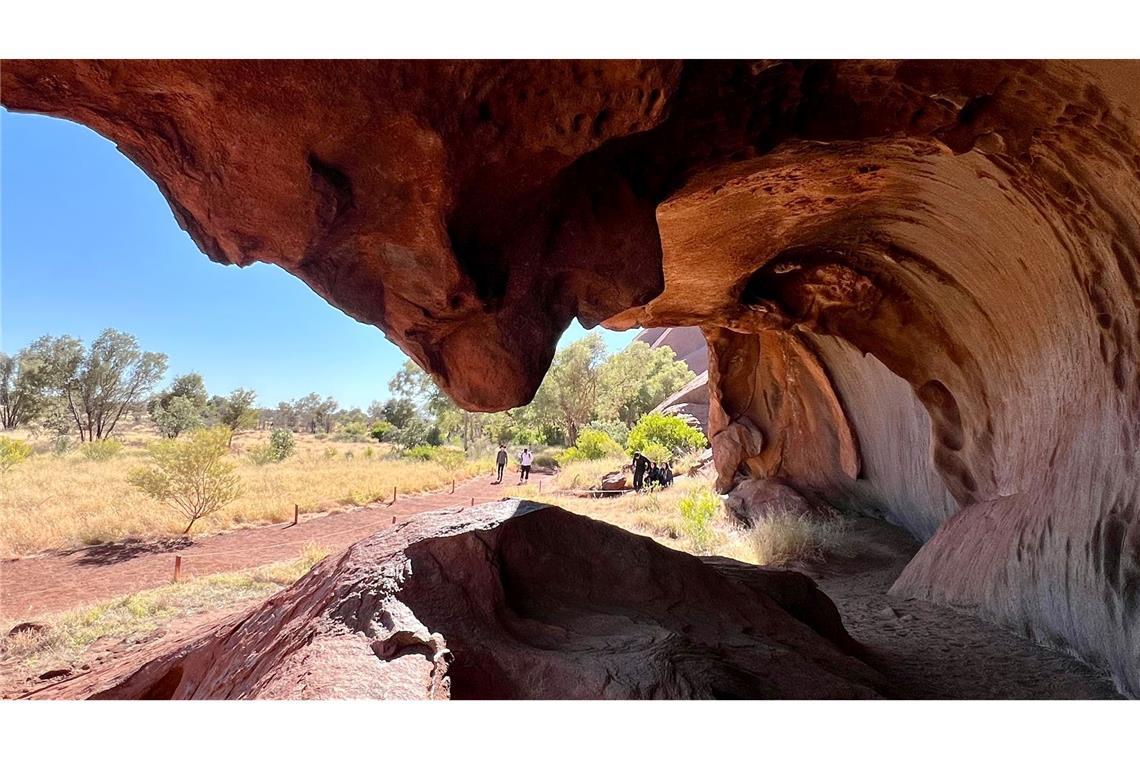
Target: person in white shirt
(525,460)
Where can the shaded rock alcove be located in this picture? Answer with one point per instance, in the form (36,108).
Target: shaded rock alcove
(919,280)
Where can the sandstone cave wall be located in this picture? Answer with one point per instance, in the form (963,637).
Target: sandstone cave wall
(1009,308)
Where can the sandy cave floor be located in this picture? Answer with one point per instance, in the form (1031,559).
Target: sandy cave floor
(933,652)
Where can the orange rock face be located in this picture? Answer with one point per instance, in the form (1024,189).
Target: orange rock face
(920,280)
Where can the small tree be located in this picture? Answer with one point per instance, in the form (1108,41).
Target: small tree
(102,382)
(180,407)
(191,475)
(178,415)
(12,452)
(236,411)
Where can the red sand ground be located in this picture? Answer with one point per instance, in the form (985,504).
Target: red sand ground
(62,580)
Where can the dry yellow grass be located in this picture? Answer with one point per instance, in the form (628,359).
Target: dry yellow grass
(657,514)
(583,475)
(51,501)
(784,538)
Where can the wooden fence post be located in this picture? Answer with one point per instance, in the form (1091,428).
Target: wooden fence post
(296,514)
(393,494)
(177,568)
(453,485)
(472,501)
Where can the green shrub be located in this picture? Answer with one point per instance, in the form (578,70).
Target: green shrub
(546,460)
(281,444)
(592,444)
(656,453)
(12,452)
(423,452)
(615,429)
(279,448)
(61,445)
(665,430)
(101,451)
(368,452)
(698,508)
(191,475)
(529,436)
(383,431)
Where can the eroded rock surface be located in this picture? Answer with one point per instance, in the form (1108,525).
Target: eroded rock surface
(510,600)
(919,280)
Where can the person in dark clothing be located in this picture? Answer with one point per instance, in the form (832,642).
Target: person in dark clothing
(639,464)
(667,475)
(501,461)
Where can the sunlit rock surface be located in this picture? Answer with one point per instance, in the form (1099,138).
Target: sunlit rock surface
(919,280)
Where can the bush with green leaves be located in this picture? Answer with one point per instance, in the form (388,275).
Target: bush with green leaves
(281,444)
(698,509)
(615,429)
(656,453)
(101,451)
(548,460)
(279,448)
(191,475)
(356,431)
(383,431)
(592,444)
(12,452)
(665,430)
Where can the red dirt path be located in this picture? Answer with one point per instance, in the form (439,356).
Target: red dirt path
(61,580)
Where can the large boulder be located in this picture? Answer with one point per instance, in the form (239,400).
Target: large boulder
(754,500)
(510,600)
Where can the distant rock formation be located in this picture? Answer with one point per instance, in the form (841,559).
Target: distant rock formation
(688,343)
(919,280)
(510,600)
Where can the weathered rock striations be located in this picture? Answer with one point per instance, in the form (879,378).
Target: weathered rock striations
(920,281)
(510,600)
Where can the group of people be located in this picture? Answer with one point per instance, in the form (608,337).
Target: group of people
(526,459)
(647,473)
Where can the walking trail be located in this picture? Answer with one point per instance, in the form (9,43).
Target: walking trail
(62,580)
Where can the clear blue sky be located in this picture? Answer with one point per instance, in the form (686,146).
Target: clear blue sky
(87,242)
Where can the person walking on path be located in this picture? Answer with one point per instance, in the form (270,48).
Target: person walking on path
(525,460)
(501,461)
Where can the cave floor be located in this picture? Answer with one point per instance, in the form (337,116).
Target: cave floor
(935,652)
